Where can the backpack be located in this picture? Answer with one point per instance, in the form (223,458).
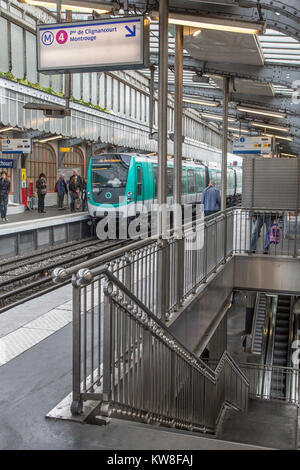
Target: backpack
(275,234)
(55,188)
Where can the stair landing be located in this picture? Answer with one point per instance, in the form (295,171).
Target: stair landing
(267,423)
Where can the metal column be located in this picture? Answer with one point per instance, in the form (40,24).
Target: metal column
(224,159)
(151,100)
(179,247)
(225,141)
(163,117)
(163,265)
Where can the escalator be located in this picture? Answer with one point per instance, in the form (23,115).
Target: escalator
(258,323)
(281,345)
(278,333)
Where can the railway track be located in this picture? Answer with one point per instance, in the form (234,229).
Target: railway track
(30,276)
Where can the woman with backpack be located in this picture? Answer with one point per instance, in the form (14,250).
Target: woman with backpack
(41,186)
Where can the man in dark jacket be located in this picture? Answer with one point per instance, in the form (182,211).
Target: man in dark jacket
(75,185)
(41,186)
(62,189)
(4,192)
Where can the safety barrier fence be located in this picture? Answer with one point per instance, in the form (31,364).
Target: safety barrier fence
(125,357)
(156,277)
(272,382)
(266,231)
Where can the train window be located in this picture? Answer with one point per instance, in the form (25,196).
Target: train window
(139,180)
(191,181)
(155,180)
(170,176)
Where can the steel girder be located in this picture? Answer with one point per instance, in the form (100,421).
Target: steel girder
(276,103)
(284,75)
(290,121)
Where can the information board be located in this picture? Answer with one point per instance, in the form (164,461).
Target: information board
(5,163)
(252,145)
(16,146)
(110,44)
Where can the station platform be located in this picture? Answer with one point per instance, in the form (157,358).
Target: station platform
(35,375)
(30,230)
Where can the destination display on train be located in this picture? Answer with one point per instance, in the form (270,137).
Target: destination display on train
(110,44)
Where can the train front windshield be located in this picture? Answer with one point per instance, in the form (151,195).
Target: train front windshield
(109,178)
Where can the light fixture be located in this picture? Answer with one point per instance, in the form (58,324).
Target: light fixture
(47,139)
(72,5)
(219,24)
(188,99)
(4,129)
(218,117)
(196,33)
(261,112)
(279,137)
(269,126)
(236,129)
(288,155)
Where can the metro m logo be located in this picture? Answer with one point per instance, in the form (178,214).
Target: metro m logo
(47,38)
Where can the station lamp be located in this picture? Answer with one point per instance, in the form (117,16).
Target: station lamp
(236,129)
(262,112)
(280,137)
(190,99)
(269,126)
(218,117)
(217,24)
(76,6)
(4,129)
(288,155)
(47,139)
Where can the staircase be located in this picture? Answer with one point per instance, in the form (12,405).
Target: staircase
(260,316)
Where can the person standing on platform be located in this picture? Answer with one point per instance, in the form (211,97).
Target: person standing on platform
(41,186)
(62,189)
(211,199)
(83,194)
(4,192)
(75,191)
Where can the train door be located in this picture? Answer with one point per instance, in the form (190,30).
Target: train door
(139,183)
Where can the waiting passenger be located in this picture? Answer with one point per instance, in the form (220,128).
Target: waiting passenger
(83,194)
(258,222)
(211,199)
(41,186)
(75,191)
(62,189)
(114,181)
(4,192)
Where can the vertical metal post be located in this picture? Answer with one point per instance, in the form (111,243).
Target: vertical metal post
(225,141)
(76,347)
(179,244)
(107,346)
(163,117)
(68,77)
(58,10)
(163,275)
(224,158)
(297,208)
(151,99)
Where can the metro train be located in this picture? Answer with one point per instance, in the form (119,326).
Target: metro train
(116,182)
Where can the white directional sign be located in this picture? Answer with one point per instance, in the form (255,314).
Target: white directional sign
(16,146)
(252,145)
(111,44)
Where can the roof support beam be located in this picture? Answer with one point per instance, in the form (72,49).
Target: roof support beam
(282,103)
(279,74)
